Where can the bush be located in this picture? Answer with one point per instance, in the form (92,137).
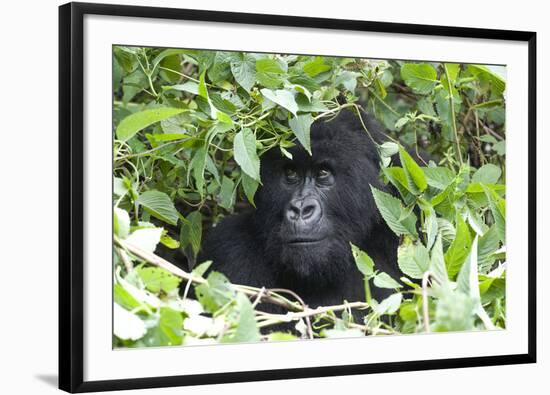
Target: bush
(189,128)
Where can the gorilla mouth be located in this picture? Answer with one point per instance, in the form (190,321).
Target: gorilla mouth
(304,240)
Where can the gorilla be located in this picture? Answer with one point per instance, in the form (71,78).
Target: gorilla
(308,211)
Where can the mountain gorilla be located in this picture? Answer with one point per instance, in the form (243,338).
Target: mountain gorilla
(308,211)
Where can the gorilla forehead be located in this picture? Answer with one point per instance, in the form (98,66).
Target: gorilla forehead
(340,141)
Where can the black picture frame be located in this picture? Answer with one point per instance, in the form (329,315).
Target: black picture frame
(71,197)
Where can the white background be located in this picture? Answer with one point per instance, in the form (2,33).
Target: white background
(101,362)
(28,159)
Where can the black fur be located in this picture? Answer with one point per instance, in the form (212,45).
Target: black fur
(253,248)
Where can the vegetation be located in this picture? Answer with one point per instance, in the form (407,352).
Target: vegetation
(189,128)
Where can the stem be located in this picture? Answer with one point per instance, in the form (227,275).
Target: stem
(425,306)
(453,115)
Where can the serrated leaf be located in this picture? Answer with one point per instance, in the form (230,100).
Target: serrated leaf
(498,210)
(413,259)
(147,239)
(244,71)
(269,73)
(215,293)
(363,261)
(133,123)
(191,232)
(226,197)
(487,174)
(159,205)
(439,177)
(437,262)
(250,186)
(157,279)
(459,249)
(389,305)
(415,176)
(420,77)
(244,148)
(121,225)
(316,66)
(391,210)
(282,97)
(384,280)
(247,328)
(301,127)
(127,325)
(167,331)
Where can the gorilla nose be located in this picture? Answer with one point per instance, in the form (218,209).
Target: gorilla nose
(307,209)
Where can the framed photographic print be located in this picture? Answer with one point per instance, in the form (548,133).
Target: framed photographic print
(258,197)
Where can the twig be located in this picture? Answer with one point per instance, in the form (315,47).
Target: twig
(425,306)
(300,309)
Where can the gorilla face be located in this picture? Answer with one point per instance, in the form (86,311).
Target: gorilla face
(313,206)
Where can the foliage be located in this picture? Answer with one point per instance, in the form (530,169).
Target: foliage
(189,129)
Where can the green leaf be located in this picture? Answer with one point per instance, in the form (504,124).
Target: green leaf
(244,147)
(124,298)
(301,126)
(269,73)
(391,210)
(437,262)
(197,165)
(438,177)
(415,176)
(390,305)
(159,205)
(384,280)
(227,193)
(488,245)
(133,123)
(215,293)
(157,279)
(167,331)
(250,187)
(420,77)
(413,259)
(244,71)
(282,97)
(316,66)
(147,239)
(281,336)
(459,248)
(487,174)
(121,226)
(127,325)
(388,149)
(247,329)
(201,268)
(498,209)
(363,261)
(189,86)
(430,227)
(191,231)
(488,77)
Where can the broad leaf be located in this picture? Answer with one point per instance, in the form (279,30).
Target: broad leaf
(244,146)
(159,205)
(420,77)
(301,126)
(133,123)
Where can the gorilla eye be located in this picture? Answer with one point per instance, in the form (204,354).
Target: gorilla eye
(323,173)
(290,173)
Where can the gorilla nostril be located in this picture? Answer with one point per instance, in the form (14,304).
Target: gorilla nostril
(308,211)
(293,213)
